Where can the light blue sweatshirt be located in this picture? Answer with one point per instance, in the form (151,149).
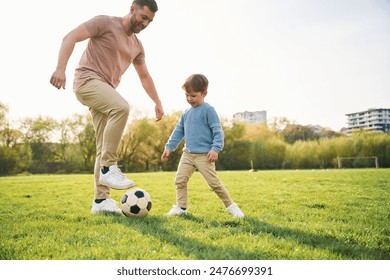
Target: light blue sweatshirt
(201,129)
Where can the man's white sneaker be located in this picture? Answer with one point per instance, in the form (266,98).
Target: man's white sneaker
(115,179)
(235,211)
(176,211)
(107,205)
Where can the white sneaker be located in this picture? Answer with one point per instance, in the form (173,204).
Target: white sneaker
(235,211)
(108,205)
(176,210)
(115,179)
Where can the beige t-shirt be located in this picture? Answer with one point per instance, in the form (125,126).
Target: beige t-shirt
(110,51)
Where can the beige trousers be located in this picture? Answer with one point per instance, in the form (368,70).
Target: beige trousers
(187,165)
(109,111)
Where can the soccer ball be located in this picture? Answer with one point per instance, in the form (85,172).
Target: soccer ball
(136,203)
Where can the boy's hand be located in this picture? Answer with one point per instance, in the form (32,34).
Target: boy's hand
(165,155)
(212,156)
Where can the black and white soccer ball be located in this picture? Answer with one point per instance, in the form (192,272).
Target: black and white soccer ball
(136,203)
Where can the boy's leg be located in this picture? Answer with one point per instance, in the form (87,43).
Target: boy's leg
(207,169)
(184,171)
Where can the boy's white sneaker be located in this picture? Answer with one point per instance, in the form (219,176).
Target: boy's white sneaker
(107,205)
(176,211)
(115,179)
(235,211)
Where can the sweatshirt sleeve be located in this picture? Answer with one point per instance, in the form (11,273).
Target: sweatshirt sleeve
(216,128)
(176,136)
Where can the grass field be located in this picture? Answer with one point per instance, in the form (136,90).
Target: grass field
(290,215)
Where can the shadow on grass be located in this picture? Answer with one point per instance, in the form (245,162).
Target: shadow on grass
(197,249)
(163,229)
(347,249)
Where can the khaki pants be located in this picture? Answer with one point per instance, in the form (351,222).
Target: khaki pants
(109,111)
(187,165)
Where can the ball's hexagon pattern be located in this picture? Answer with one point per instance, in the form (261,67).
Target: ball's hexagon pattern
(136,203)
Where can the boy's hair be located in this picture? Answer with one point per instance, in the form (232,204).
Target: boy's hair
(151,4)
(196,83)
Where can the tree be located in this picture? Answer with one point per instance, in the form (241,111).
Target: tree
(8,160)
(3,113)
(295,132)
(135,144)
(86,139)
(235,153)
(9,136)
(268,153)
(65,128)
(302,155)
(278,124)
(38,135)
(165,128)
(235,156)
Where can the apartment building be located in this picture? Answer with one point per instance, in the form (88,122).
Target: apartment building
(251,117)
(370,120)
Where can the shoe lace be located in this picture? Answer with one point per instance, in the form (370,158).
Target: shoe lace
(234,210)
(119,173)
(176,209)
(112,203)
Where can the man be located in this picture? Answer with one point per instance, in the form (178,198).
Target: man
(112,47)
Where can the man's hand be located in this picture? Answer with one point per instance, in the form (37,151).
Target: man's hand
(58,79)
(159,112)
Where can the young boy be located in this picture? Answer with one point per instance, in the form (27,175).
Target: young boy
(201,128)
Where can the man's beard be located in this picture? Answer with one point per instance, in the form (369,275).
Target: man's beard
(134,27)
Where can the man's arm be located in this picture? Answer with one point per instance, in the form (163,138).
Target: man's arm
(80,33)
(148,85)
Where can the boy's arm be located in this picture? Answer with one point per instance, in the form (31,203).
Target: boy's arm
(217,145)
(165,155)
(216,128)
(175,139)
(176,136)
(172,143)
(212,156)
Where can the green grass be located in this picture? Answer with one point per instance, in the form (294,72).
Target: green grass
(291,215)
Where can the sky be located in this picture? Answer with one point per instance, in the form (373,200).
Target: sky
(310,61)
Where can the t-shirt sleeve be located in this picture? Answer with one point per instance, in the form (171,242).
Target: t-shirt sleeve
(96,26)
(140,58)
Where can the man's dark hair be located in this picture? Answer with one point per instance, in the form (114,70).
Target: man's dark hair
(196,83)
(151,4)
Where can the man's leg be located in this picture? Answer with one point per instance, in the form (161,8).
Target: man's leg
(99,122)
(104,99)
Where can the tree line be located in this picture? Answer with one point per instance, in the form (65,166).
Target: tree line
(46,145)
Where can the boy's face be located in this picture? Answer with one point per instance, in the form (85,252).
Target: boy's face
(195,98)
